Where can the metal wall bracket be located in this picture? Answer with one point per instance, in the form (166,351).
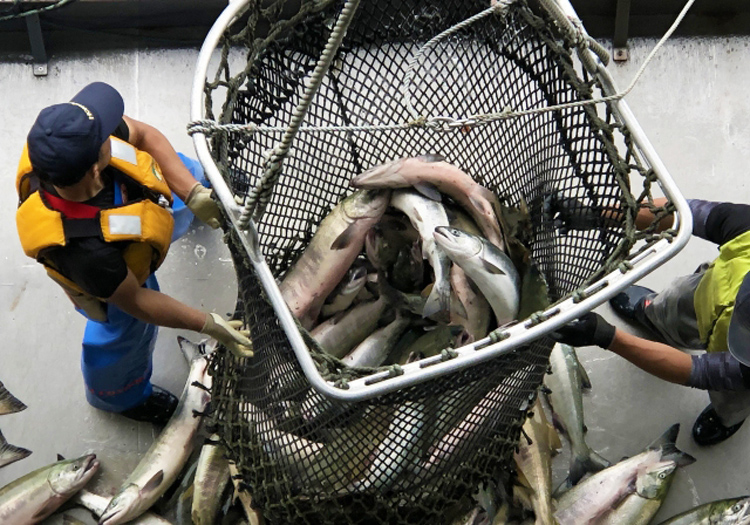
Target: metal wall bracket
(36,40)
(620,41)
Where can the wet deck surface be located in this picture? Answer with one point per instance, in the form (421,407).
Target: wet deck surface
(691,104)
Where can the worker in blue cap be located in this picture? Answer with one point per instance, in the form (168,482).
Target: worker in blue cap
(707,310)
(101,197)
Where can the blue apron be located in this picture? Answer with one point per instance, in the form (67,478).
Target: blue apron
(117,355)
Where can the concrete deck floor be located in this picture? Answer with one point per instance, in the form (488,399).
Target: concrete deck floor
(691,103)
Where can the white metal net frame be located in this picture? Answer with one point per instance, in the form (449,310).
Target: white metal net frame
(482,350)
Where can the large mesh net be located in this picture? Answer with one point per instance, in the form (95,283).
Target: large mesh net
(418,454)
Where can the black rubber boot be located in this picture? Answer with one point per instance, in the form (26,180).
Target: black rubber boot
(708,430)
(157,409)
(629,303)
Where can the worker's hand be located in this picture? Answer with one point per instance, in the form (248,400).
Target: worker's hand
(569,213)
(228,334)
(589,329)
(203,206)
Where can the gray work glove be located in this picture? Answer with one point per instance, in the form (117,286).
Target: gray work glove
(199,201)
(228,334)
(569,213)
(589,329)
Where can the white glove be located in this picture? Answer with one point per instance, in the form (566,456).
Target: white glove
(227,333)
(203,206)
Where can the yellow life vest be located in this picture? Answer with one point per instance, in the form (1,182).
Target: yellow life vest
(145,223)
(716,292)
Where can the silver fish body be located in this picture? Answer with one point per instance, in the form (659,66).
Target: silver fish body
(8,402)
(731,511)
(162,463)
(431,171)
(211,478)
(342,332)
(398,451)
(487,266)
(590,501)
(639,507)
(10,453)
(337,242)
(477,315)
(565,384)
(373,351)
(534,464)
(33,497)
(426,215)
(96,504)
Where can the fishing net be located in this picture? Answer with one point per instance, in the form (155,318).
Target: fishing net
(415,455)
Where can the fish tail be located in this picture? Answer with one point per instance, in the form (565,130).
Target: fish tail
(669,451)
(11,453)
(438,303)
(579,468)
(9,403)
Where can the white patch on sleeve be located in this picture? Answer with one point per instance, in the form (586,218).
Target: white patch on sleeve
(124,151)
(124,225)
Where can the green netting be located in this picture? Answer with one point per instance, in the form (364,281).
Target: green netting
(416,455)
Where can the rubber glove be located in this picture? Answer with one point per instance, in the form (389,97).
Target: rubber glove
(589,329)
(568,213)
(203,206)
(227,333)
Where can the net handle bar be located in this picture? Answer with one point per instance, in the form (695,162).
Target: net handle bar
(512,337)
(218,184)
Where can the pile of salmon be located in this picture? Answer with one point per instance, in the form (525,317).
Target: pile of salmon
(417,259)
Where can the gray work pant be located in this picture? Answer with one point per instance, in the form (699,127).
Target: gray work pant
(672,314)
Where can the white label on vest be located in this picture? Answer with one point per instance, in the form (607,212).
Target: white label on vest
(124,225)
(124,151)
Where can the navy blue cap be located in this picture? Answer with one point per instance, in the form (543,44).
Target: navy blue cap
(65,140)
(738,335)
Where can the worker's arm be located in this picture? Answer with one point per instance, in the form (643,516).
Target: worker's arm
(155,307)
(657,359)
(160,309)
(178,177)
(709,371)
(152,141)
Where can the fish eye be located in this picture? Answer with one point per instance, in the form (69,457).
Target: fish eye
(662,475)
(736,507)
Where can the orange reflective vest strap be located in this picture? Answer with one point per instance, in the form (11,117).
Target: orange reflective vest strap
(144,222)
(714,298)
(39,227)
(139,166)
(94,307)
(24,168)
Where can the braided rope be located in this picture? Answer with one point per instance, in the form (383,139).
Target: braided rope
(258,197)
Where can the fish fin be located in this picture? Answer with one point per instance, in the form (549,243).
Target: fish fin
(344,238)
(438,303)
(50,506)
(429,191)
(557,422)
(553,438)
(671,452)
(60,457)
(12,453)
(491,267)
(10,403)
(562,488)
(431,157)
(154,482)
(582,466)
(667,438)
